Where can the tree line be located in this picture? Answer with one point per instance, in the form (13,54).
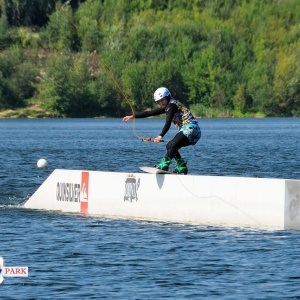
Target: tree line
(90,58)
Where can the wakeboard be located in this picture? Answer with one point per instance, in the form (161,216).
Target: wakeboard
(154,170)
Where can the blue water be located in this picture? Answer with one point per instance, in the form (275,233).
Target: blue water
(71,256)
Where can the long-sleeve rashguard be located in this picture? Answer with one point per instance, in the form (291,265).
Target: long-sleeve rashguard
(175,112)
(170,111)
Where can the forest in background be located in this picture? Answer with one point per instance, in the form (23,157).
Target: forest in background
(223,58)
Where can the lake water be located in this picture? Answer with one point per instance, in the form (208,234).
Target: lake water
(71,256)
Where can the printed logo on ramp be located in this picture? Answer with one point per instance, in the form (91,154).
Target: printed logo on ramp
(84,192)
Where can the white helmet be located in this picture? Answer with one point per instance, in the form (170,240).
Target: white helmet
(160,93)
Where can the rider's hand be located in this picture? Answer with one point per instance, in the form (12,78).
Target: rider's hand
(127,118)
(157,139)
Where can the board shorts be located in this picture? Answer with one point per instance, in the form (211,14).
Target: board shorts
(192,132)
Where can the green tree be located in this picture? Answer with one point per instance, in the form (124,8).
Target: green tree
(286,100)
(221,57)
(17,78)
(60,33)
(27,12)
(73,86)
(88,19)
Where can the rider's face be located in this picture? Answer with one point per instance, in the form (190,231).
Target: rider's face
(163,102)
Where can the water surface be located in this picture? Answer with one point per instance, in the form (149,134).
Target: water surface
(71,256)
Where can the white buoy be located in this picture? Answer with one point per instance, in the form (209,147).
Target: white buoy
(42,163)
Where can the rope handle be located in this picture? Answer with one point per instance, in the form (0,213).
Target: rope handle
(149,139)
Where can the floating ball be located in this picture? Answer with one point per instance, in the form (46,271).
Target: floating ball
(42,163)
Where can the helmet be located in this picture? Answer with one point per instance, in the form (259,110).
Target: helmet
(160,93)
